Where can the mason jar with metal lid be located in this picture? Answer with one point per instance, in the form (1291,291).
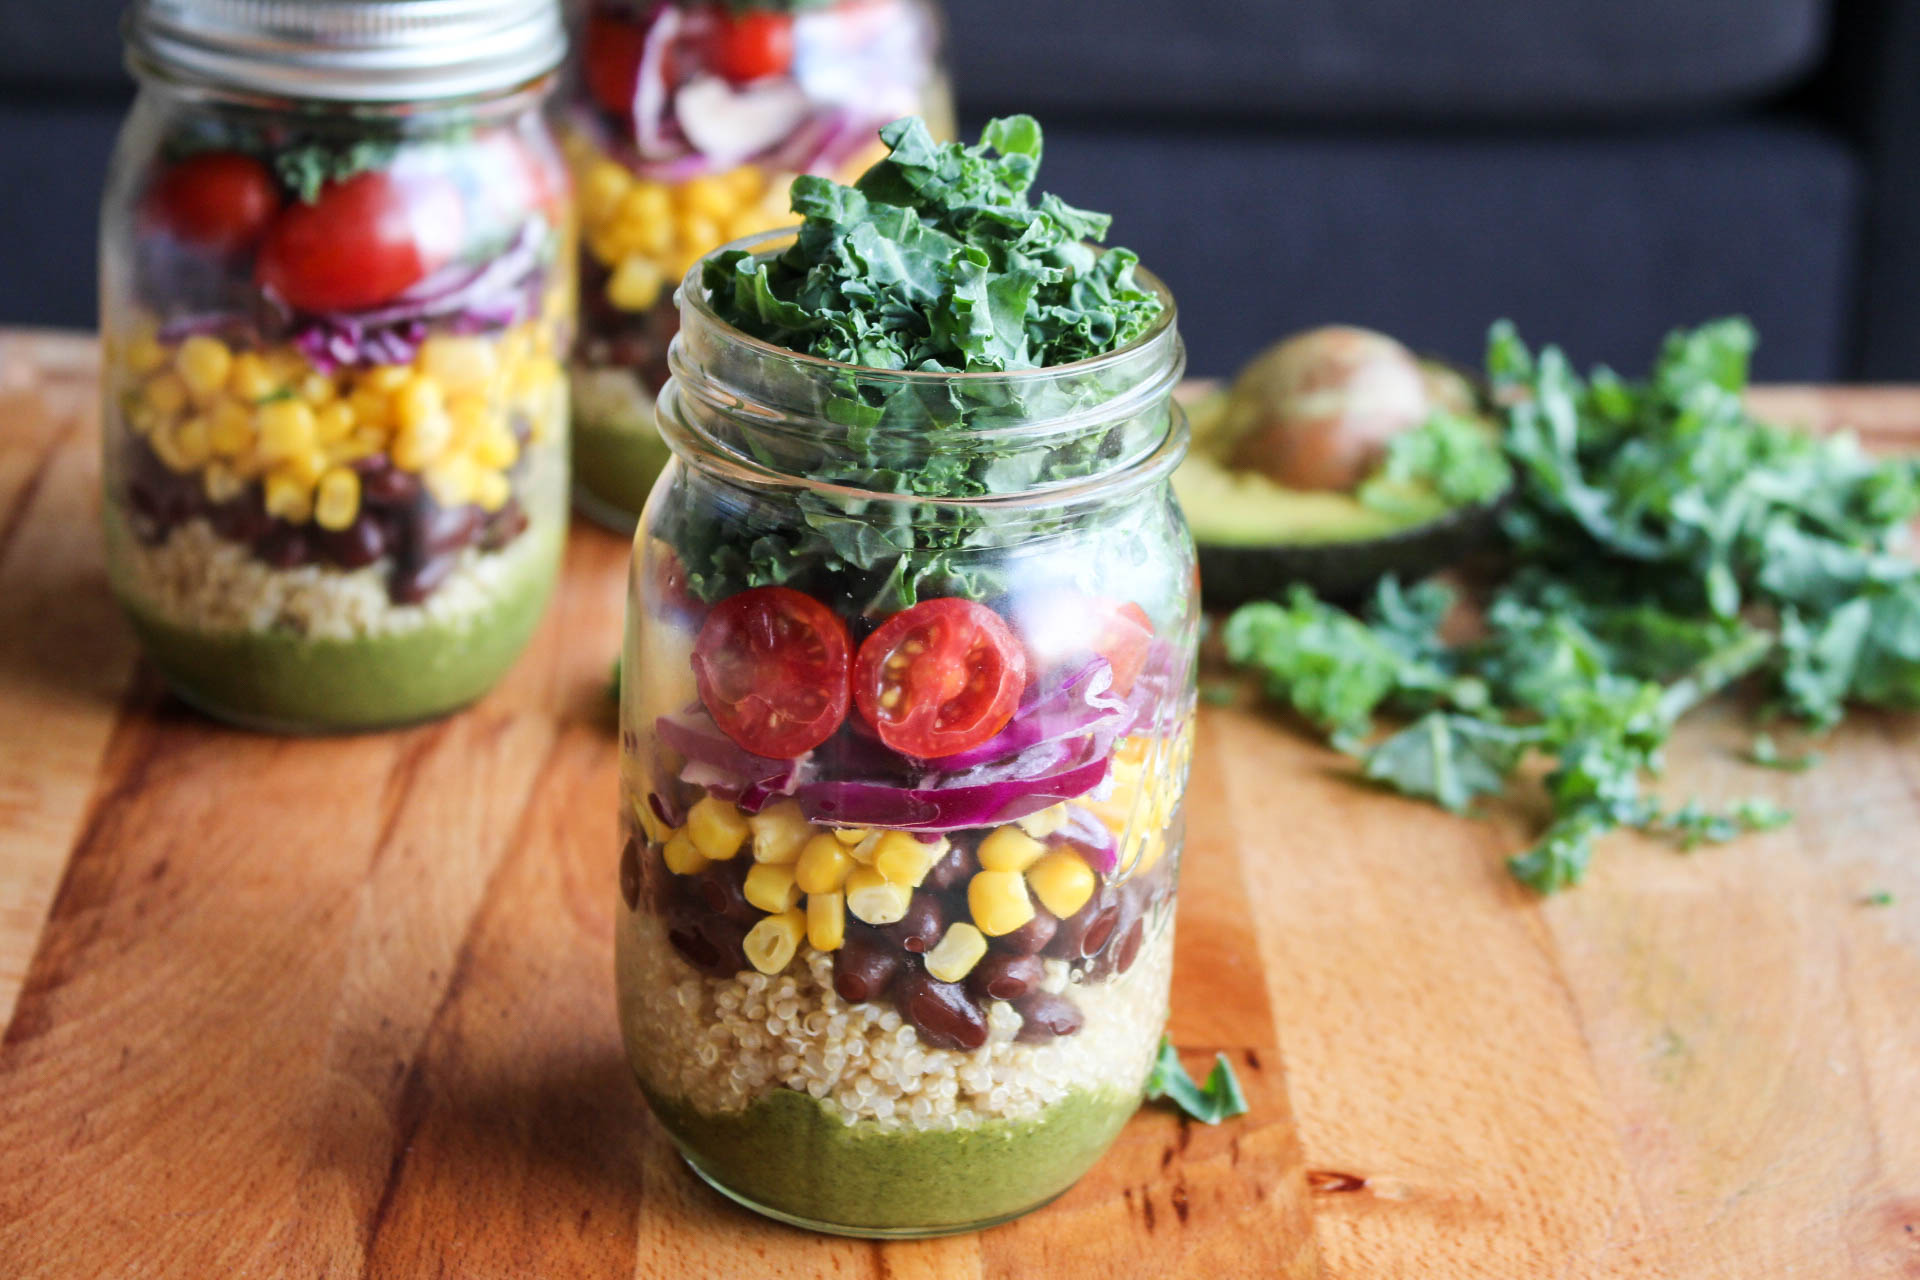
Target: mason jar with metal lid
(336,301)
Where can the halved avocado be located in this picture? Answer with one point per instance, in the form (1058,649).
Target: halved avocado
(1257,537)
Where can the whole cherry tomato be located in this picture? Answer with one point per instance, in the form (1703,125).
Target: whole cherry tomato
(752,44)
(364,240)
(611,61)
(1124,639)
(219,200)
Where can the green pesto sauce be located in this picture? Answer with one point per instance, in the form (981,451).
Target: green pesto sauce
(285,682)
(614,468)
(788,1154)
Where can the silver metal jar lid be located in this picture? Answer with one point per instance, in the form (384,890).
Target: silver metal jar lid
(349,50)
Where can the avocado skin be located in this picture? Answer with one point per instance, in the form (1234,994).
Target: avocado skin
(1343,572)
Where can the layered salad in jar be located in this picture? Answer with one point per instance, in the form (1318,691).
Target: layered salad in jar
(336,454)
(902,784)
(689,120)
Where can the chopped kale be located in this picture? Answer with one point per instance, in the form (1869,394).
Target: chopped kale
(1218,1099)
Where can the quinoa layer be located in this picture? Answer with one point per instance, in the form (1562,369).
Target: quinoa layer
(716,1046)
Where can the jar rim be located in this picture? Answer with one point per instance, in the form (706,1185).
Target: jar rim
(692,293)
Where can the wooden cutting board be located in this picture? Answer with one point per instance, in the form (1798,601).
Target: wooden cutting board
(343,1007)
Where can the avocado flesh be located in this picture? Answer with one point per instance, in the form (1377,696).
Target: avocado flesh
(1257,538)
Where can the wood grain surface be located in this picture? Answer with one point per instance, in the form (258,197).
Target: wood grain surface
(343,1007)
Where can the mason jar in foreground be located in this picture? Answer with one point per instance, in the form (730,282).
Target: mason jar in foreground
(336,301)
(908,979)
(689,119)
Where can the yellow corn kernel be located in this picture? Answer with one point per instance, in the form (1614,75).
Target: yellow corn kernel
(779,832)
(874,898)
(707,196)
(681,857)
(459,363)
(748,222)
(716,827)
(145,355)
(745,182)
(288,496)
(770,887)
(826,921)
(651,238)
(959,949)
(905,859)
(418,401)
(1062,881)
(1044,823)
(249,378)
(333,423)
(853,835)
(370,407)
(823,866)
(346,452)
(387,378)
(634,285)
(166,393)
(194,439)
(165,443)
(771,943)
(495,447)
(1009,849)
(203,363)
(601,188)
(453,480)
(221,482)
(645,201)
(229,428)
(286,429)
(697,234)
(416,448)
(491,490)
(684,261)
(655,830)
(998,902)
(316,388)
(337,501)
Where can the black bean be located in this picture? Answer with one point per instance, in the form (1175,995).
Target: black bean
(1129,950)
(722,887)
(242,520)
(865,965)
(940,1011)
(953,870)
(385,485)
(920,928)
(286,547)
(1099,931)
(630,873)
(1068,936)
(504,526)
(447,528)
(357,545)
(1000,976)
(1044,1016)
(1032,937)
(1128,918)
(415,582)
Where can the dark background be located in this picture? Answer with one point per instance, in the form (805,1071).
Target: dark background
(1599,170)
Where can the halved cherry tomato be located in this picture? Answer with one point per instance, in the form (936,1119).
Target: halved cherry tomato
(941,677)
(220,200)
(771,666)
(1124,638)
(364,240)
(749,45)
(611,61)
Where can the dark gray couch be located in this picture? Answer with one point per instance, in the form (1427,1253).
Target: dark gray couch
(1598,171)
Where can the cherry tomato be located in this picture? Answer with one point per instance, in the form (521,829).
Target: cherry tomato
(528,180)
(1124,638)
(941,677)
(749,45)
(771,666)
(220,200)
(364,240)
(612,61)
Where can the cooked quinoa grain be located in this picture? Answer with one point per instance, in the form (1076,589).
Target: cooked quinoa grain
(718,1044)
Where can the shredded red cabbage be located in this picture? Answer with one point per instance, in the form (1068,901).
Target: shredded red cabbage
(1082,705)
(944,808)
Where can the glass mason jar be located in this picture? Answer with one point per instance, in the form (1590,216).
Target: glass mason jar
(336,302)
(690,119)
(911,980)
